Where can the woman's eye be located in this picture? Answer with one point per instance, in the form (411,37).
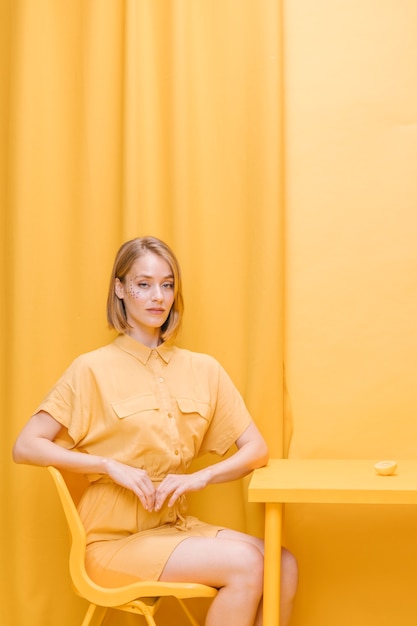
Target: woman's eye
(143,285)
(168,285)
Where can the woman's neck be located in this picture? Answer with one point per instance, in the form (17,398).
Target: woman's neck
(151,340)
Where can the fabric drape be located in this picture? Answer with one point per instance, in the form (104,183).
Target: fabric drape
(119,119)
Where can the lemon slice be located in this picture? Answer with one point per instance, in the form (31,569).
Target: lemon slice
(385,468)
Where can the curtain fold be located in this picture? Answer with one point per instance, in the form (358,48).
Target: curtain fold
(123,119)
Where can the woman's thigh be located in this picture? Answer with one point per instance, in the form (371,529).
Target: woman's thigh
(289,568)
(235,535)
(214,560)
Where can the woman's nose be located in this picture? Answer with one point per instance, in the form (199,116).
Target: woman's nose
(157,293)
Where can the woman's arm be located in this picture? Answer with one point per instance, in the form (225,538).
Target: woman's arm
(252,452)
(35,446)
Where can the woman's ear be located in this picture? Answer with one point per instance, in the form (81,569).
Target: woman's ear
(119,289)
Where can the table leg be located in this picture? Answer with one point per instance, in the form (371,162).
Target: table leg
(272,575)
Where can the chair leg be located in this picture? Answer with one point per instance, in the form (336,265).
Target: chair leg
(147,615)
(95,615)
(188,613)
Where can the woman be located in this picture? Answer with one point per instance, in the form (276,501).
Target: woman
(132,416)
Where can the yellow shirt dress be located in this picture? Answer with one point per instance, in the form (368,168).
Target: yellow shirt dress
(156,409)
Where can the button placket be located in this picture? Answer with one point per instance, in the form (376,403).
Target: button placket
(166,406)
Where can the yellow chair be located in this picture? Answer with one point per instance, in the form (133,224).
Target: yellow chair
(142,597)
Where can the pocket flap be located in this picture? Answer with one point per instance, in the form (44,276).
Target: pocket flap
(189,405)
(128,407)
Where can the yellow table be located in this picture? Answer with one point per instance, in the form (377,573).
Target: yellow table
(319,481)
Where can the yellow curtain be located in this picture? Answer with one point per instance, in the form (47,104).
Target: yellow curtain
(118,119)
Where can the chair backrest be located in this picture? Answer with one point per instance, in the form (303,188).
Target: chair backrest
(70,488)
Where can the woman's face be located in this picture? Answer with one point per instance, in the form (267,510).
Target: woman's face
(148,294)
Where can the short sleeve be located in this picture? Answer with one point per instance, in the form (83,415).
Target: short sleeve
(70,399)
(230,417)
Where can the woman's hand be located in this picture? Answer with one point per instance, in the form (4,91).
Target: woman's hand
(175,485)
(137,480)
(252,452)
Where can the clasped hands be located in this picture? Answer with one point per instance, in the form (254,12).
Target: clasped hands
(153,497)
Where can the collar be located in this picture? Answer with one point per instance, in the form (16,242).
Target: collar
(142,352)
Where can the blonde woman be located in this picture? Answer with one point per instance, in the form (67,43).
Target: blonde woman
(132,416)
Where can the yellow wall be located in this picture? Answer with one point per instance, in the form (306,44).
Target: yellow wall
(351,293)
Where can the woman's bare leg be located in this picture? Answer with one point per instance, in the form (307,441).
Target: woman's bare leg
(289,576)
(235,567)
(289,584)
(233,562)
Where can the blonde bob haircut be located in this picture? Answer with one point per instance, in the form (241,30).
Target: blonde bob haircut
(128,253)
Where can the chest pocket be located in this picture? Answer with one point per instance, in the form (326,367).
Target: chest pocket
(193,424)
(135,406)
(189,405)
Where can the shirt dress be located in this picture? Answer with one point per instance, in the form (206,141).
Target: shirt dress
(155,409)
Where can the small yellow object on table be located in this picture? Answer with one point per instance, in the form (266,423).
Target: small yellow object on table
(385,468)
(321,481)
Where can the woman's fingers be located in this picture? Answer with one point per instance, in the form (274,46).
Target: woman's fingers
(137,480)
(145,491)
(175,485)
(170,486)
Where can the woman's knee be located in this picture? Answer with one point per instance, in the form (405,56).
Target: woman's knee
(289,573)
(249,568)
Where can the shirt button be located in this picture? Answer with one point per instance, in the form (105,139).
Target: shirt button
(161,380)
(170,415)
(176,452)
